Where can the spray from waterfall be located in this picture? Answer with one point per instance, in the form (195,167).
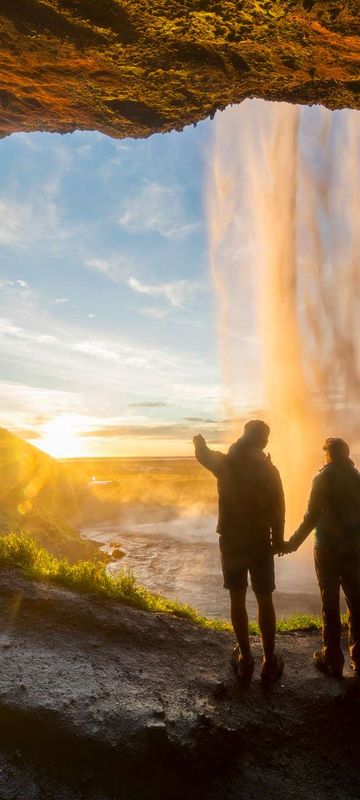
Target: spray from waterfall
(283,212)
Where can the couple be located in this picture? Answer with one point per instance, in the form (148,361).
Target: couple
(251,530)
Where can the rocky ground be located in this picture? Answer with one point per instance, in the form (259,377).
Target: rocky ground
(102,701)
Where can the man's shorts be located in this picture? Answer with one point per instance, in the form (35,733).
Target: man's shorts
(261,568)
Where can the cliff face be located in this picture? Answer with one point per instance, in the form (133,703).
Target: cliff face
(134,67)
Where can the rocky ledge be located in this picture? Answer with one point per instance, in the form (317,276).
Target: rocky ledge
(100,701)
(131,68)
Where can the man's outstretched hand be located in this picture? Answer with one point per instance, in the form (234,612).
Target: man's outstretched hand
(198,439)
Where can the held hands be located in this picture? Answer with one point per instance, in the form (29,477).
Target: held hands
(284,549)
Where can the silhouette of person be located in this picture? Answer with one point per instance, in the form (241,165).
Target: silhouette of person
(334,511)
(251,528)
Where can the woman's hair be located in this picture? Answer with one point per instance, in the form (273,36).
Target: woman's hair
(337,448)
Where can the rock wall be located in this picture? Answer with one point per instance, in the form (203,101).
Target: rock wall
(135,67)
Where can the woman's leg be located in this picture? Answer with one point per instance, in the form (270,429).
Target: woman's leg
(350,581)
(328,574)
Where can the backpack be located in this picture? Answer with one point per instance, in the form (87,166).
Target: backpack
(344,500)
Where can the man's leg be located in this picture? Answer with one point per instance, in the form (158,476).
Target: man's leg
(240,623)
(350,581)
(263,583)
(267,624)
(328,574)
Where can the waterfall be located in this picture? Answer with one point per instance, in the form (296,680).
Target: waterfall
(283,202)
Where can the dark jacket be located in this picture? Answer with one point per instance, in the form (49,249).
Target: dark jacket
(251,497)
(333,508)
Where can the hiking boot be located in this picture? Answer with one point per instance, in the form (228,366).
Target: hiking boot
(271,671)
(244,668)
(323,665)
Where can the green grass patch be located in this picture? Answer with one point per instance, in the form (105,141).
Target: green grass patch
(21,551)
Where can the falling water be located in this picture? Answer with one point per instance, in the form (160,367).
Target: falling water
(283,211)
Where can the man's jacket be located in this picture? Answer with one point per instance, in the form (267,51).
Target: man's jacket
(251,497)
(333,508)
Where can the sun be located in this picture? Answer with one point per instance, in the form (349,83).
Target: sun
(60,437)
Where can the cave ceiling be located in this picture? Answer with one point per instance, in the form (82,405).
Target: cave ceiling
(130,68)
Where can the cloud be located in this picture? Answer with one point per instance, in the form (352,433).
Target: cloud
(128,355)
(201,419)
(16,294)
(153,431)
(61,300)
(31,207)
(8,328)
(157,209)
(15,218)
(5,282)
(84,150)
(189,322)
(68,357)
(237,420)
(154,312)
(149,404)
(116,268)
(119,270)
(22,404)
(176,292)
(116,353)
(36,219)
(173,430)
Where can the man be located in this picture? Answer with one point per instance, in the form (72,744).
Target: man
(251,529)
(334,512)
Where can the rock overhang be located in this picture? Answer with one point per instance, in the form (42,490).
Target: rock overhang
(130,68)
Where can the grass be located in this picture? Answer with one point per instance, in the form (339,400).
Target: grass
(21,551)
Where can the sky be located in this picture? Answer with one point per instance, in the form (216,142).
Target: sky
(112,337)
(107,312)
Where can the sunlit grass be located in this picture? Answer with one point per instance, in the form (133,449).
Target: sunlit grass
(21,551)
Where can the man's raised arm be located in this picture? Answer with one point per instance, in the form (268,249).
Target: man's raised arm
(211,459)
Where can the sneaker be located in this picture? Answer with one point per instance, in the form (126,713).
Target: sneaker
(321,663)
(244,668)
(271,671)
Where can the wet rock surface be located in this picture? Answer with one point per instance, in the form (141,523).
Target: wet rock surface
(98,700)
(131,68)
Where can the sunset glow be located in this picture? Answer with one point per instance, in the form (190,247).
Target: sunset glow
(60,439)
